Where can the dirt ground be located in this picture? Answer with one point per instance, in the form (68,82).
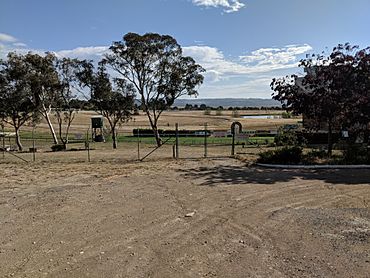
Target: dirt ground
(185,218)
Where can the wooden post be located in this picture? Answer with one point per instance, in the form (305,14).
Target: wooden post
(233,143)
(2,127)
(88,145)
(177,140)
(33,145)
(205,140)
(138,144)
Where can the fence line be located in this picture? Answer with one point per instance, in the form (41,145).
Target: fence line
(195,144)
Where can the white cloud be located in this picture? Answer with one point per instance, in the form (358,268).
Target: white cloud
(7,38)
(89,52)
(258,87)
(20,44)
(245,76)
(229,6)
(276,56)
(259,61)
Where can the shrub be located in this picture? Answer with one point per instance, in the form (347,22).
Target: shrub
(356,154)
(286,155)
(286,137)
(315,157)
(236,114)
(286,115)
(207,112)
(58,148)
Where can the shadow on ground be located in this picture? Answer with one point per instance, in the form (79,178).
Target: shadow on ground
(213,176)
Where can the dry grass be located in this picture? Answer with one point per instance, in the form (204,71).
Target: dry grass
(191,120)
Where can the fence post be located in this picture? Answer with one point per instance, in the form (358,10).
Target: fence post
(2,127)
(138,144)
(88,145)
(205,140)
(233,143)
(33,145)
(177,140)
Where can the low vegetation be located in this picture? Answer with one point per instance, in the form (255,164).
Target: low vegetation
(295,155)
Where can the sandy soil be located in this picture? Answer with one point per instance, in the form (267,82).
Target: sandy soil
(186,218)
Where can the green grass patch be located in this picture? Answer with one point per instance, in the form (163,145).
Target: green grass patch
(198,140)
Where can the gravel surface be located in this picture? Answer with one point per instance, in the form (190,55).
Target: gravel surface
(186,218)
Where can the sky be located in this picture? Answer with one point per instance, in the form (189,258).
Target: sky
(242,44)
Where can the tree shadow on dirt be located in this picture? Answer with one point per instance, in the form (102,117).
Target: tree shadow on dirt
(229,175)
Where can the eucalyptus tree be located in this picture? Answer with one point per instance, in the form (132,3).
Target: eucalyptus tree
(156,67)
(66,93)
(17,101)
(44,81)
(113,98)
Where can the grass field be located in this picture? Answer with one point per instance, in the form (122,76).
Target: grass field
(189,120)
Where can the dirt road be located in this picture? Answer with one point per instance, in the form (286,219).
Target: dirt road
(190,218)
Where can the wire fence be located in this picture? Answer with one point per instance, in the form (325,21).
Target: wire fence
(131,146)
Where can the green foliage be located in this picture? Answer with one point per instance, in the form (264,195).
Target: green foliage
(155,65)
(18,104)
(286,115)
(286,137)
(356,154)
(285,155)
(334,91)
(219,112)
(316,157)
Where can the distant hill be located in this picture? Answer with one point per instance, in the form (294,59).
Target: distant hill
(228,102)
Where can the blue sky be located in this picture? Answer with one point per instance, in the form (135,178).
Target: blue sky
(243,44)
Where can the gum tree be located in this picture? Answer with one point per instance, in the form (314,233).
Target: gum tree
(113,98)
(44,83)
(155,66)
(17,104)
(68,72)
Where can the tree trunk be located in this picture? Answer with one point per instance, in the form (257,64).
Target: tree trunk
(18,139)
(114,138)
(55,138)
(366,136)
(158,139)
(64,142)
(330,139)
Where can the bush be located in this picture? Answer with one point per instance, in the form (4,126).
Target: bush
(286,155)
(236,114)
(356,154)
(207,112)
(286,137)
(286,115)
(315,157)
(58,148)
